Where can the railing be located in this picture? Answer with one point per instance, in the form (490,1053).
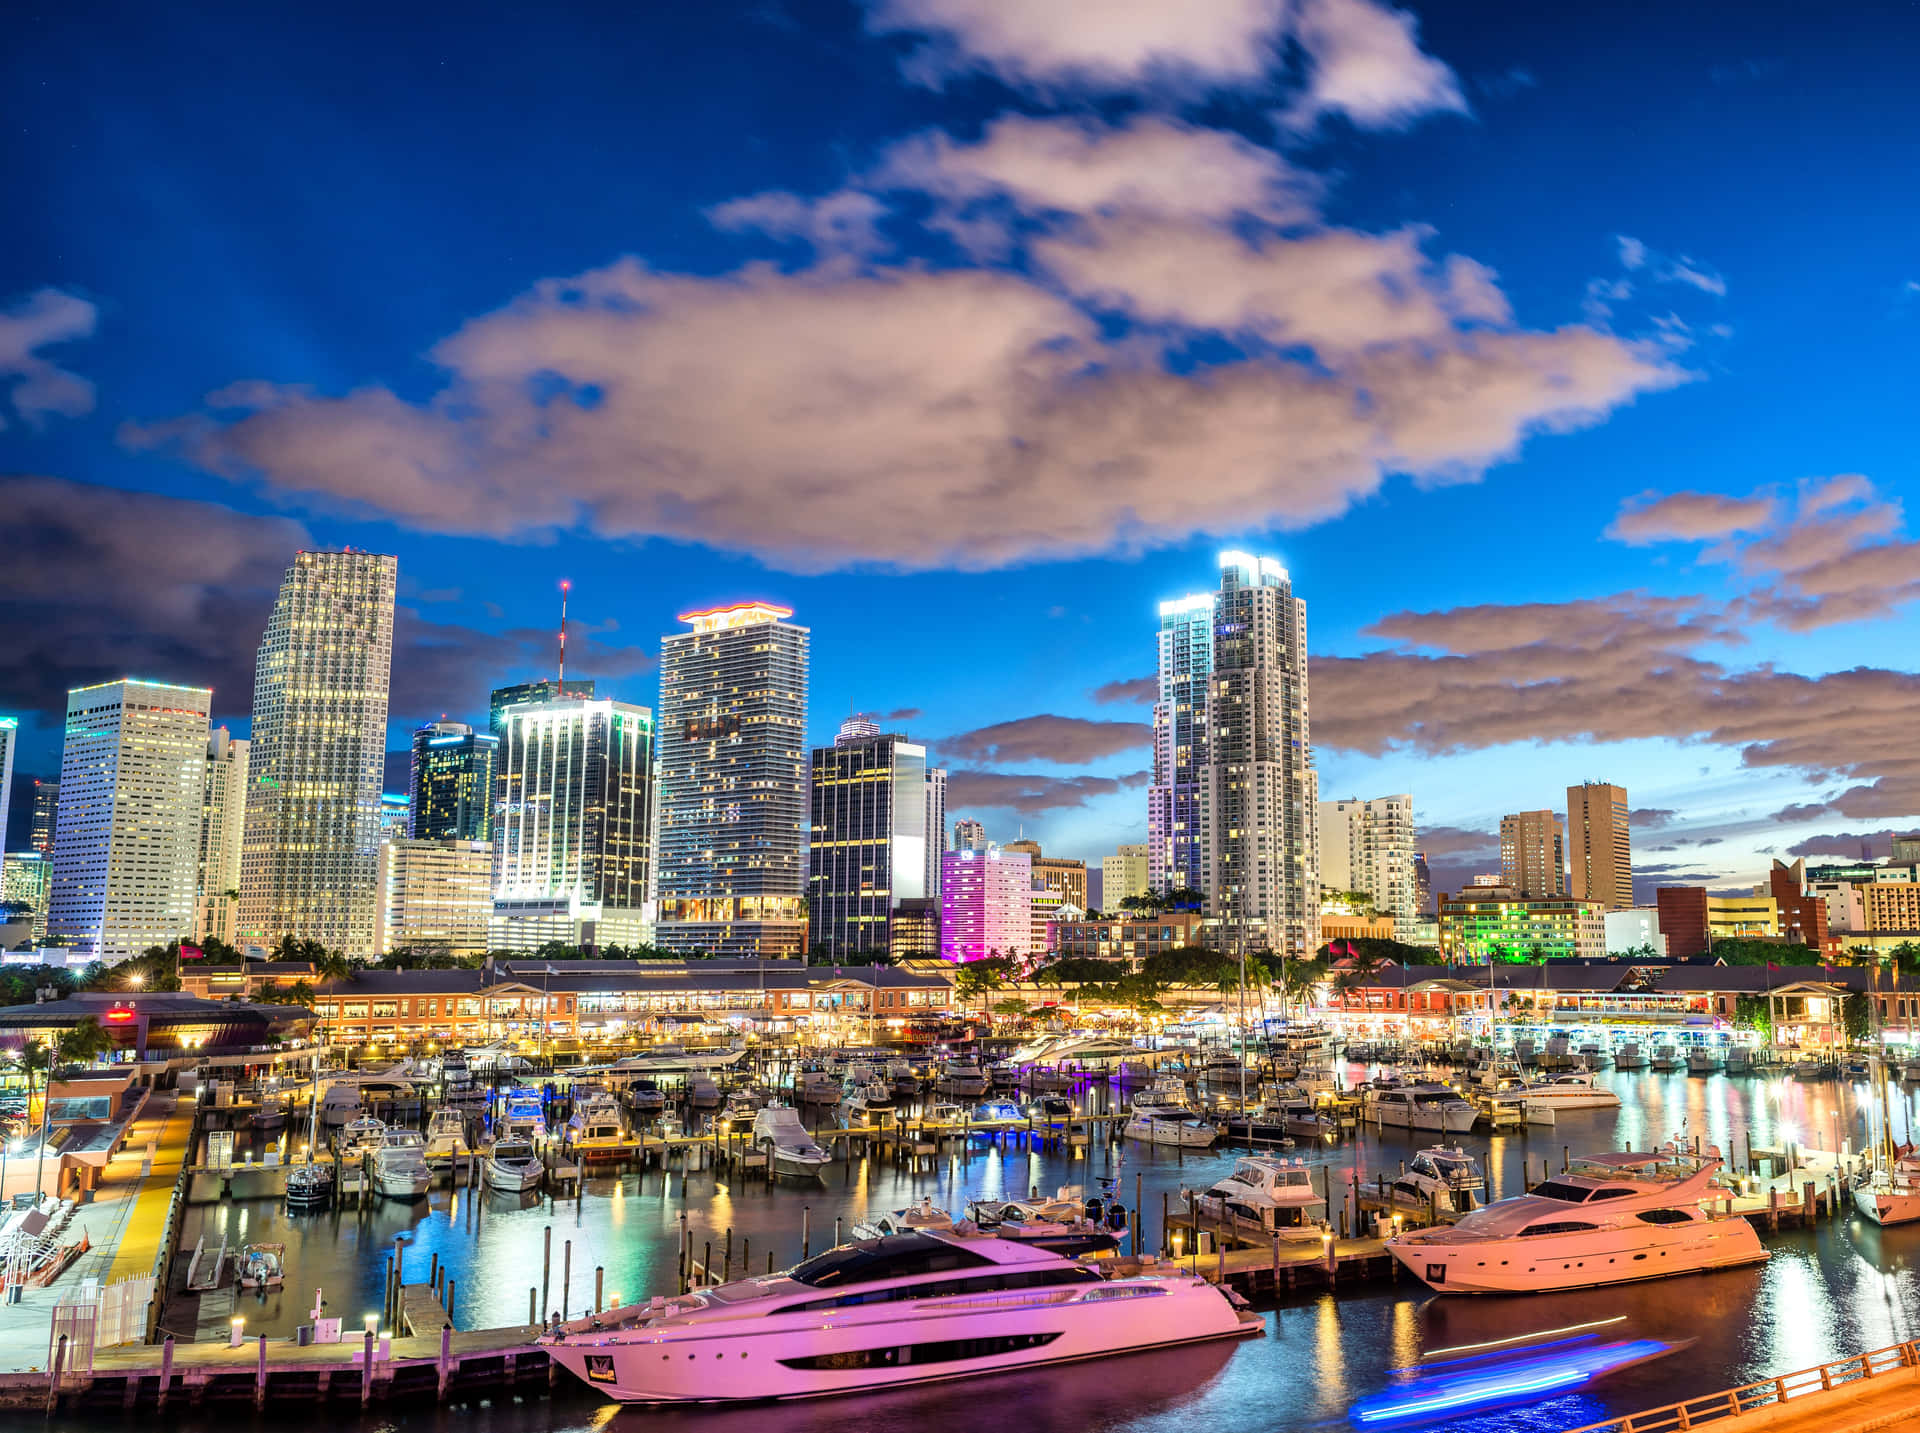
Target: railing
(1765,1393)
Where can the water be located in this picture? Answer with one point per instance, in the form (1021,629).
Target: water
(1837,1289)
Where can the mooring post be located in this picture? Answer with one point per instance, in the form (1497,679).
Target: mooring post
(53,1377)
(806,1219)
(546,1270)
(166,1369)
(366,1370)
(446,1358)
(260,1376)
(566,1278)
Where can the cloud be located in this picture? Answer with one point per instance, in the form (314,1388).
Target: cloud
(1650,817)
(1365,62)
(1031,793)
(905,714)
(1847,844)
(1647,880)
(1665,269)
(1441,842)
(844,222)
(1690,517)
(1065,741)
(37,386)
(1135,691)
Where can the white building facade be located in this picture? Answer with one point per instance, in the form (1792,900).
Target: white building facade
(435,896)
(1368,847)
(223,820)
(1125,873)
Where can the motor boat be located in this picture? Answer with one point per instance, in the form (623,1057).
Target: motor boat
(1048,1079)
(1177,1127)
(1740,1060)
(1442,1179)
(358,1139)
(309,1185)
(400,1165)
(668,1058)
(524,1116)
(1911,1070)
(961,1077)
(794,1152)
(512,1165)
(909,1308)
(1050,1111)
(644,1097)
(903,1077)
(817,1087)
(1592,1055)
(1003,1075)
(1436,1108)
(340,1106)
(1226,1074)
(1568,1092)
(1609,1219)
(737,1117)
(1629,1056)
(1667,1059)
(997,1112)
(260,1266)
(703,1092)
(1068,1223)
(904,1221)
(447,1137)
(1274,1193)
(597,1134)
(1813,1069)
(456,1072)
(270,1115)
(1167,1094)
(1703,1060)
(1257,1124)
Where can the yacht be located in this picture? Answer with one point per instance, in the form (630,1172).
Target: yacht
(1048,1079)
(1437,1108)
(1629,1056)
(1911,1070)
(869,1099)
(1703,1060)
(1003,1075)
(1740,1060)
(1167,1094)
(1890,1195)
(1610,1219)
(1667,1059)
(400,1165)
(309,1185)
(447,1137)
(1276,1194)
(904,1221)
(1569,1092)
(512,1165)
(341,1104)
(672,1059)
(1066,1223)
(1174,1127)
(1443,1179)
(525,1115)
(902,1076)
(358,1139)
(777,1128)
(1257,1124)
(817,1087)
(644,1097)
(909,1308)
(738,1114)
(703,1092)
(997,1112)
(962,1077)
(596,1133)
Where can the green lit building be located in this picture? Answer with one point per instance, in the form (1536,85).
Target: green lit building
(1484,923)
(450,783)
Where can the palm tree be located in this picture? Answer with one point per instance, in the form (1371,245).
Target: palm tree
(36,1056)
(85,1042)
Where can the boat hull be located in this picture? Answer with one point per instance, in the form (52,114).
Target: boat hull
(1432,1120)
(1557,1263)
(512,1181)
(1886,1204)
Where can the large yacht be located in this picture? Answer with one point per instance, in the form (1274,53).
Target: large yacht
(447,1137)
(1443,1179)
(1569,1092)
(908,1308)
(400,1165)
(511,1164)
(596,1133)
(794,1152)
(961,1077)
(1176,1127)
(1276,1194)
(1610,1219)
(1435,1108)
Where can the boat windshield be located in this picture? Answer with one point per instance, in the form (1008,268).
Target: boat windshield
(897,1256)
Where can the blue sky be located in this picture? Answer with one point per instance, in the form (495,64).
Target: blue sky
(971,329)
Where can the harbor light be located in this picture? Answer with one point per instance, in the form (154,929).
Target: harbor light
(372,1322)
(239,1331)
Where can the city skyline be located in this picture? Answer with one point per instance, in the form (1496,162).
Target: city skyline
(1689,570)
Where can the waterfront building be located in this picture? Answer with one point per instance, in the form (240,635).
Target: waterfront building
(1844,904)
(1485,923)
(1742,918)
(915,930)
(1131,940)
(126,849)
(9,739)
(1175,848)
(1422,884)
(223,819)
(1598,849)
(1123,874)
(1634,930)
(319,741)
(1803,914)
(1533,853)
(1258,789)
(1338,923)
(1367,847)
(450,783)
(1682,912)
(575,827)
(1063,876)
(867,847)
(46,815)
(435,897)
(152,1025)
(25,879)
(968,835)
(986,904)
(733,783)
(936,829)
(520,694)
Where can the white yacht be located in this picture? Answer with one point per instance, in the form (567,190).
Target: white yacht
(1569,1092)
(341,1104)
(525,1115)
(1443,1179)
(961,1077)
(703,1092)
(1068,1223)
(400,1165)
(868,1101)
(1174,1127)
(997,1112)
(672,1059)
(1277,1194)
(1167,1094)
(1629,1056)
(596,1134)
(358,1139)
(778,1130)
(513,1166)
(447,1137)
(1610,1219)
(903,1077)
(1667,1058)
(904,1221)
(817,1087)
(1436,1108)
(906,1309)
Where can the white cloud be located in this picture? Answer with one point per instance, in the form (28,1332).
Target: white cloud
(37,386)
(1365,62)
(844,222)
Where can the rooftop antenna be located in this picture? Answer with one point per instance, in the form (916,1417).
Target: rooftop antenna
(565,588)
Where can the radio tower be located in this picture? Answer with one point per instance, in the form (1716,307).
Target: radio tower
(565,588)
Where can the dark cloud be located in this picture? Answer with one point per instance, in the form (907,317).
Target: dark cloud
(1650,817)
(1138,691)
(1846,843)
(904,714)
(1065,741)
(1031,793)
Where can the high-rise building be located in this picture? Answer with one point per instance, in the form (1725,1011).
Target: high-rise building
(733,783)
(1422,883)
(223,819)
(1176,848)
(9,738)
(1066,878)
(867,848)
(1598,849)
(936,829)
(309,864)
(968,835)
(435,896)
(1367,847)
(46,815)
(1682,913)
(126,853)
(396,816)
(1482,925)
(1259,793)
(25,877)
(1123,874)
(575,831)
(986,904)
(450,783)
(519,694)
(1533,853)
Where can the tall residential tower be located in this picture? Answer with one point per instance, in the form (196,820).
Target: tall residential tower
(1175,846)
(867,849)
(450,793)
(1598,851)
(223,819)
(1533,857)
(1367,847)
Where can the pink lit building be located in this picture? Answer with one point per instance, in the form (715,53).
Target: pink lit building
(986,904)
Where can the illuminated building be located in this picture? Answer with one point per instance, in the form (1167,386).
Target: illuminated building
(450,791)
(25,877)
(1065,877)
(9,738)
(733,783)
(1598,849)
(574,833)
(1123,874)
(223,819)
(1484,923)
(986,904)
(396,816)
(1366,847)
(867,848)
(1175,849)
(435,896)
(1533,853)
(968,835)
(126,852)
(936,827)
(309,858)
(46,815)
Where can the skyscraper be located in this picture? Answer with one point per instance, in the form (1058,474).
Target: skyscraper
(46,815)
(936,829)
(1123,874)
(1175,847)
(9,738)
(867,849)
(1367,847)
(435,897)
(545,690)
(1533,853)
(25,877)
(309,857)
(968,835)
(986,904)
(1598,849)
(450,783)
(733,783)
(223,819)
(575,832)
(1258,790)
(126,855)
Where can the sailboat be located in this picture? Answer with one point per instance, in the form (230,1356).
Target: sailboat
(310,1185)
(1889,1192)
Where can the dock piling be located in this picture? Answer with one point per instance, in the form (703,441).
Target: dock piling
(546,1270)
(366,1370)
(566,1278)
(260,1376)
(166,1369)
(806,1217)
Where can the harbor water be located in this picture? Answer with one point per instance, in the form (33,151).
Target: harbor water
(1837,1288)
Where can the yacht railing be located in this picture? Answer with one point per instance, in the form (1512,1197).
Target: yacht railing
(1764,1393)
